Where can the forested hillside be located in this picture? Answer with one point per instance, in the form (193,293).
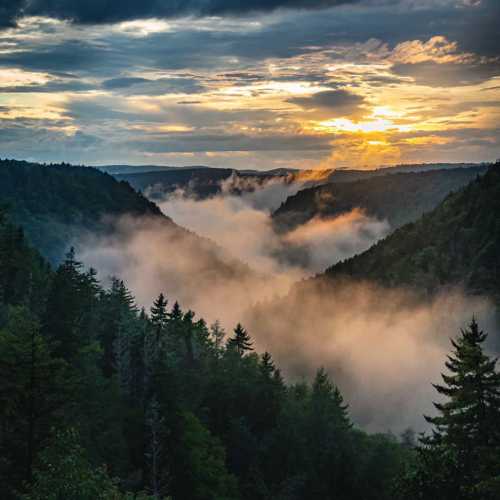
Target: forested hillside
(397,197)
(56,203)
(199,182)
(457,243)
(98,397)
(101,400)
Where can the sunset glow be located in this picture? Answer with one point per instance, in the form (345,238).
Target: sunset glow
(216,88)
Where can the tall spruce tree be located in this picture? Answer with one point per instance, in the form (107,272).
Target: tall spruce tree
(461,458)
(35,387)
(66,308)
(159,315)
(241,341)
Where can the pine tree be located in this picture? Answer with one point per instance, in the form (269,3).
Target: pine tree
(460,460)
(65,308)
(327,401)
(267,365)
(34,388)
(176,312)
(155,452)
(159,315)
(118,324)
(473,392)
(241,341)
(217,334)
(65,472)
(330,442)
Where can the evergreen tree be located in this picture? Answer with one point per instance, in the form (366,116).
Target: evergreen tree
(461,458)
(65,308)
(117,327)
(176,312)
(34,389)
(65,472)
(472,411)
(159,316)
(155,449)
(329,436)
(199,464)
(217,334)
(241,342)
(267,365)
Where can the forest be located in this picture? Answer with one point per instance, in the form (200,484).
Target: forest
(100,399)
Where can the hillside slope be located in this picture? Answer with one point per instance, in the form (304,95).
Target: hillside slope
(201,182)
(55,203)
(457,243)
(58,205)
(399,197)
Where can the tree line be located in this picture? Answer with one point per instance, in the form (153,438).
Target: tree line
(101,399)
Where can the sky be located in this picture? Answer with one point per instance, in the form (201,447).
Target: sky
(250,84)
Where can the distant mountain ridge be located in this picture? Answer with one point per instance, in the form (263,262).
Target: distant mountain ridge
(398,197)
(199,182)
(55,203)
(458,243)
(141,169)
(58,204)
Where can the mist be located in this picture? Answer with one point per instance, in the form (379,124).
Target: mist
(382,347)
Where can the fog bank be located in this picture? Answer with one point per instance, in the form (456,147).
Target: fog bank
(383,347)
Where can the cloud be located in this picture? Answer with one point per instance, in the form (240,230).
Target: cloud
(333,102)
(9,10)
(450,74)
(263,80)
(383,347)
(231,142)
(159,86)
(277,260)
(94,12)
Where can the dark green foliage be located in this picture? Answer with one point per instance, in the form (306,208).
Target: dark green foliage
(56,203)
(457,243)
(460,460)
(198,182)
(398,198)
(159,316)
(35,392)
(64,472)
(24,275)
(199,465)
(161,404)
(241,341)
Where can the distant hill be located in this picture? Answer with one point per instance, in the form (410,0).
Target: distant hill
(57,204)
(348,175)
(458,243)
(200,182)
(141,169)
(396,197)
(132,169)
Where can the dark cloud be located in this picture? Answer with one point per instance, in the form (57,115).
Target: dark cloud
(9,10)
(180,143)
(23,140)
(98,11)
(52,86)
(67,57)
(294,34)
(436,74)
(334,102)
(160,86)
